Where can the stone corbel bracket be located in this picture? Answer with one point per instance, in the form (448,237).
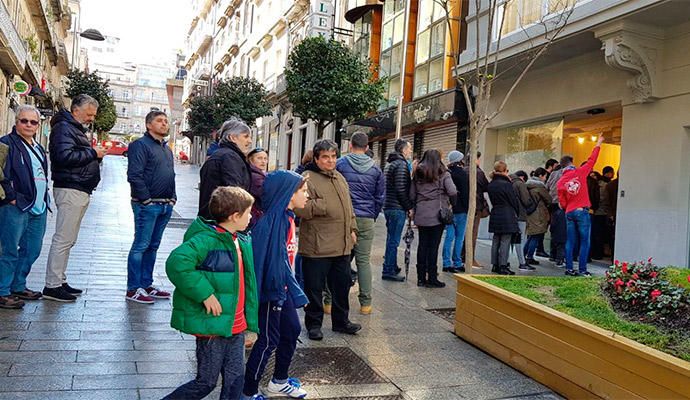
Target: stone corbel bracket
(637,49)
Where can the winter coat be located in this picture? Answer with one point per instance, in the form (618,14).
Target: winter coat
(428,198)
(538,221)
(18,182)
(150,169)
(367,184)
(328,219)
(228,166)
(397,184)
(552,184)
(3,159)
(461,179)
(73,162)
(274,275)
(256,189)
(204,265)
(604,204)
(482,187)
(525,201)
(505,207)
(612,194)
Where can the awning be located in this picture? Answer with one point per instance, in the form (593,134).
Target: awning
(37,92)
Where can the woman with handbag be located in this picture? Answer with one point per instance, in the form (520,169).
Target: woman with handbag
(503,221)
(433,193)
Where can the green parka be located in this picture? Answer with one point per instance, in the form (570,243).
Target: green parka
(206,264)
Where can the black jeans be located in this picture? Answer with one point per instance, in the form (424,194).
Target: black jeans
(317,273)
(599,236)
(215,356)
(427,252)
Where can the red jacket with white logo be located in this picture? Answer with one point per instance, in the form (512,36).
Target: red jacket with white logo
(572,187)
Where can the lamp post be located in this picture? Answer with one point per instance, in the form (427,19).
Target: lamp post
(91,34)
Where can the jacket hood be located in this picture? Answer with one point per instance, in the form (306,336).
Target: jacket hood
(65,116)
(360,162)
(201,226)
(279,187)
(535,182)
(395,156)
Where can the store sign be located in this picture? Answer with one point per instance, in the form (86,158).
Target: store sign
(321,18)
(22,88)
(46,112)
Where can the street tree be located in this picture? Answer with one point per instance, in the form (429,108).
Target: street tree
(81,82)
(327,82)
(487,70)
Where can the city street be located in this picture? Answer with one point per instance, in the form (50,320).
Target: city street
(102,347)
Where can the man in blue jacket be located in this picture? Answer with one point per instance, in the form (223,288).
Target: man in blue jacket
(24,209)
(151,176)
(367,191)
(75,171)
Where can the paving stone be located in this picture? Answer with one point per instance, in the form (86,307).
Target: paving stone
(76,368)
(30,384)
(130,381)
(130,335)
(355,391)
(134,355)
(76,345)
(40,335)
(80,326)
(37,356)
(497,388)
(13,326)
(165,367)
(130,394)
(9,344)
(164,345)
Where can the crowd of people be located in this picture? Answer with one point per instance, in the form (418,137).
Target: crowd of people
(241,267)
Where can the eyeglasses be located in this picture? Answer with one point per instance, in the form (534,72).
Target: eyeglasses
(25,121)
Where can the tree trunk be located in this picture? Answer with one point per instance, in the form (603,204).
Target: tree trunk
(320,127)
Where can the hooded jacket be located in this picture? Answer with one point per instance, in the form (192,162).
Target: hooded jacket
(228,166)
(573,192)
(367,184)
(73,162)
(18,182)
(269,236)
(538,221)
(524,198)
(328,220)
(204,265)
(397,184)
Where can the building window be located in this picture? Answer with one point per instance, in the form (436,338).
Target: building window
(521,13)
(431,28)
(362,35)
(391,48)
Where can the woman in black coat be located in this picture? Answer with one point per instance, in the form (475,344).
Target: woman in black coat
(503,221)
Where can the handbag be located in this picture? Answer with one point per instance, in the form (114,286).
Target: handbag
(445,213)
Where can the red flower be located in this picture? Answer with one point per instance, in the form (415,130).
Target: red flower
(649,260)
(616,263)
(618,282)
(625,268)
(655,293)
(688,278)
(635,276)
(653,274)
(630,283)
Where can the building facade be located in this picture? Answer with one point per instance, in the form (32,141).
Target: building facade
(620,68)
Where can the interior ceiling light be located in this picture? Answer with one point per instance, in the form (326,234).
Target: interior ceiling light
(580,140)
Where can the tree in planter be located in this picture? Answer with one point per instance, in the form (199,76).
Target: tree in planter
(80,82)
(244,98)
(327,81)
(477,83)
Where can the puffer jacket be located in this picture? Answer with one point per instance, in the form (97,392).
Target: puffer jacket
(505,207)
(397,184)
(523,196)
(428,198)
(367,186)
(538,221)
(204,265)
(74,164)
(328,220)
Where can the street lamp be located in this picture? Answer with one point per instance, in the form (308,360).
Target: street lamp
(91,34)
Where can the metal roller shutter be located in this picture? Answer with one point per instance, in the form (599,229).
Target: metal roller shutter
(442,138)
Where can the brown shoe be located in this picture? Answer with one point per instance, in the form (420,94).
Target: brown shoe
(476,264)
(28,294)
(11,302)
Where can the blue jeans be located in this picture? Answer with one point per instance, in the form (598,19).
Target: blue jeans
(149,224)
(21,238)
(533,242)
(578,233)
(395,222)
(455,235)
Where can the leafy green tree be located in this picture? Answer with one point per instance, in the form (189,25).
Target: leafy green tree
(80,82)
(327,82)
(240,97)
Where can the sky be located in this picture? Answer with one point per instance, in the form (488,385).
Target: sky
(149,30)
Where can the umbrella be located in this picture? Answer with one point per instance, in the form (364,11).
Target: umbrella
(408,238)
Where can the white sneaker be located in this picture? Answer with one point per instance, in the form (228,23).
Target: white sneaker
(291,388)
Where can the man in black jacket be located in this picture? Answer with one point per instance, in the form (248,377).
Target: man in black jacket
(151,176)
(396,206)
(455,233)
(228,166)
(76,173)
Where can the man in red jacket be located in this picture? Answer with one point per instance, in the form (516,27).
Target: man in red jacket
(573,197)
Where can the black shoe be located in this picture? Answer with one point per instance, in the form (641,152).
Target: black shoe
(448,269)
(398,270)
(571,272)
(510,271)
(459,269)
(435,283)
(586,274)
(559,263)
(527,268)
(350,328)
(495,269)
(543,254)
(505,270)
(315,334)
(551,259)
(421,283)
(73,291)
(58,294)
(393,278)
(531,261)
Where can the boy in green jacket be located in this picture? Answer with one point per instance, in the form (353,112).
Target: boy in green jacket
(215,295)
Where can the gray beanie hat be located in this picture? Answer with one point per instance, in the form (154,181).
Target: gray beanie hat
(455,156)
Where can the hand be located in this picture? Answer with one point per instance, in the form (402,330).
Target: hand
(354,237)
(410,214)
(213,306)
(249,339)
(100,152)
(13,202)
(600,139)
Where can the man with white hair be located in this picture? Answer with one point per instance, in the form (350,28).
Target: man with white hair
(76,172)
(24,210)
(228,166)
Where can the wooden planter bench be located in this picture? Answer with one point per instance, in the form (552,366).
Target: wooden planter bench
(572,357)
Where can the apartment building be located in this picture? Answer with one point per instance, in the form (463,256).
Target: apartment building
(32,51)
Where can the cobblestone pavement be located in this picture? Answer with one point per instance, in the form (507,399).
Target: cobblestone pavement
(102,347)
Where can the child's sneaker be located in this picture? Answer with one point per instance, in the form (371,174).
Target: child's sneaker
(291,388)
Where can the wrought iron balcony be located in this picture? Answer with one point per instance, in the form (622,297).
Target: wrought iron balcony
(13,52)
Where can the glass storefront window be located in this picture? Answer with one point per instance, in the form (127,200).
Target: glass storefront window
(436,75)
(421,76)
(423,47)
(527,147)
(394,91)
(387,35)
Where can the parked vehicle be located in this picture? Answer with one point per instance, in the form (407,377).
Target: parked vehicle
(114,147)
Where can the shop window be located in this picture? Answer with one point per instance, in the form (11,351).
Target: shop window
(430,48)
(528,147)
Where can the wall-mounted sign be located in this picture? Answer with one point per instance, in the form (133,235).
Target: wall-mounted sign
(22,88)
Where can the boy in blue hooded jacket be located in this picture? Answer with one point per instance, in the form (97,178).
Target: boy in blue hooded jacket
(275,249)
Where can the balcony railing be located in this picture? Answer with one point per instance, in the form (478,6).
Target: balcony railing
(13,57)
(203,71)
